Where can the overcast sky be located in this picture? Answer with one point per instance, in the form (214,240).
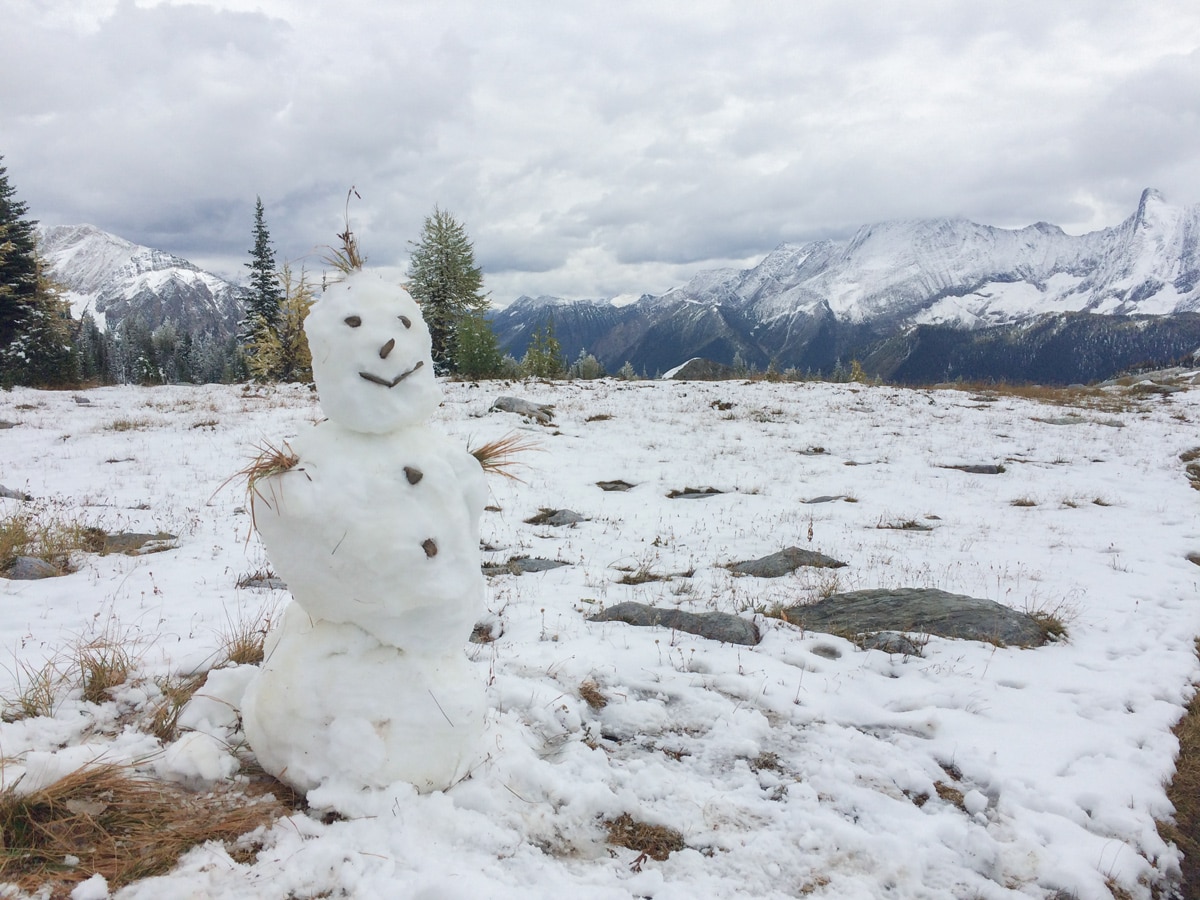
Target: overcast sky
(591,148)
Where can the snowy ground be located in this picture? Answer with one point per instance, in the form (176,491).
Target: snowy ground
(802,766)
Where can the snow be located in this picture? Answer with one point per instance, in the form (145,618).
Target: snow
(803,766)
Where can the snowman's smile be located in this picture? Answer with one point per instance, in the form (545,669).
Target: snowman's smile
(375,379)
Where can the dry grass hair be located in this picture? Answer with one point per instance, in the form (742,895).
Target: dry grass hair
(497,457)
(347,258)
(115,822)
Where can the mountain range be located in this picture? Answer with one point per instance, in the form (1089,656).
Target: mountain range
(911,301)
(113,280)
(916,300)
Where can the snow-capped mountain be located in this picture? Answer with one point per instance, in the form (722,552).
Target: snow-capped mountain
(114,279)
(812,305)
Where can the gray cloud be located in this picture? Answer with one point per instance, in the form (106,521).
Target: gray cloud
(592,149)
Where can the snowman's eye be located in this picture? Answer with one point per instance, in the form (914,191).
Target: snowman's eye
(406,321)
(352,321)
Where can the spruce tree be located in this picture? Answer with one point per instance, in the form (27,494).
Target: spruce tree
(543,356)
(262,307)
(476,350)
(35,323)
(444,279)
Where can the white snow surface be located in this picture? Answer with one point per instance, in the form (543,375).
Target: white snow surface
(800,767)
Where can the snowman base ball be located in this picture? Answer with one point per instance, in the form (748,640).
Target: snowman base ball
(334,704)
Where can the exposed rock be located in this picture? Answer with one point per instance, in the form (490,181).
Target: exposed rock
(4,423)
(824,498)
(1194,558)
(30,568)
(785,562)
(919,610)
(724,627)
(13,494)
(82,401)
(542,413)
(892,642)
(987,469)
(135,544)
(519,565)
(617,485)
(556,517)
(703,370)
(691,493)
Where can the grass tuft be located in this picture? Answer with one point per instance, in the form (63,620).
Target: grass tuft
(103,663)
(496,457)
(591,694)
(115,822)
(655,841)
(41,532)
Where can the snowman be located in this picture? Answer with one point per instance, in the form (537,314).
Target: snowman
(375,529)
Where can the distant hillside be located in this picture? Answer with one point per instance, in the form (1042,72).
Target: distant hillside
(914,300)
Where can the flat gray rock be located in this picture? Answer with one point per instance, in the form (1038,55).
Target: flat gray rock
(784,562)
(523,564)
(921,611)
(724,627)
(542,413)
(30,568)
(556,518)
(13,494)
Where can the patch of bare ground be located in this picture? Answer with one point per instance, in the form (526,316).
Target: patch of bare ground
(1184,793)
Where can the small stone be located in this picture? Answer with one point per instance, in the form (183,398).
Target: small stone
(617,485)
(556,518)
(413,474)
(429,547)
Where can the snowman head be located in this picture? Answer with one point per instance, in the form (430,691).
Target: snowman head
(371,356)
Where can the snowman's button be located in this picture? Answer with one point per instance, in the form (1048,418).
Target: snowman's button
(429,547)
(413,474)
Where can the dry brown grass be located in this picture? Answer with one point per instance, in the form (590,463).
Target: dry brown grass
(103,663)
(36,691)
(177,690)
(591,694)
(1096,398)
(498,456)
(243,637)
(115,822)
(1184,794)
(45,533)
(655,841)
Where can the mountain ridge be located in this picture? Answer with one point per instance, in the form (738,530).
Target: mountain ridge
(813,306)
(116,280)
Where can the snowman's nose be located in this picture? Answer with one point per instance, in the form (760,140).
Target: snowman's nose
(387,348)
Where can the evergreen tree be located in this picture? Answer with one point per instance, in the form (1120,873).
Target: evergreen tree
(35,323)
(543,356)
(445,281)
(265,295)
(476,350)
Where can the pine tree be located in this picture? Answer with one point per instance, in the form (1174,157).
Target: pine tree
(265,295)
(445,281)
(35,323)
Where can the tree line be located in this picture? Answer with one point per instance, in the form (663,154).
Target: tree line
(42,345)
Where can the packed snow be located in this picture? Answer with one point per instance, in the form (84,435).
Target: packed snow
(374,525)
(803,766)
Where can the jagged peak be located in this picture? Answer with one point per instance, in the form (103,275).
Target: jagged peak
(1150,202)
